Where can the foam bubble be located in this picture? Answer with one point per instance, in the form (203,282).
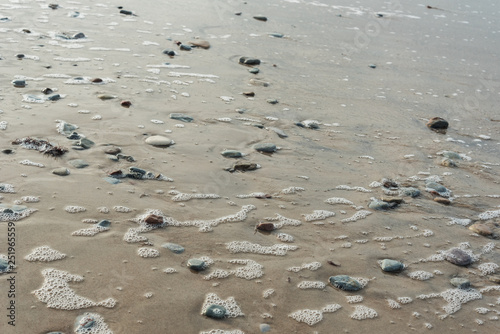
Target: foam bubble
(318,215)
(44,254)
(232,309)
(362,312)
(248,247)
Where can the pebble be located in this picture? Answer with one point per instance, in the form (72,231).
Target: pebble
(447,162)
(181,117)
(196,264)
(272,101)
(126,104)
(106,97)
(437,123)
(78,35)
(231,154)
(344,282)
(175,248)
(169,52)
(279,132)
(61,171)
(265,147)
(78,163)
(254,70)
(19,83)
(47,91)
(249,94)
(112,157)
(276,35)
(54,97)
(128,158)
(436,186)
(377,204)
(4,265)
(460,282)
(259,82)
(481,229)
(372,66)
(126,12)
(265,227)
(104,223)
(409,191)
(260,18)
(20,55)
(249,61)
(264,328)
(159,141)
(85,143)
(7,151)
(216,311)
(391,265)
(111,180)
(185,47)
(494,279)
(458,257)
(154,219)
(442,200)
(201,44)
(242,166)
(112,150)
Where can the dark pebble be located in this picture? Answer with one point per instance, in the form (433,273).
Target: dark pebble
(437,123)
(185,47)
(216,311)
(344,282)
(249,61)
(458,257)
(54,97)
(154,219)
(104,223)
(126,12)
(47,91)
(260,18)
(196,264)
(169,52)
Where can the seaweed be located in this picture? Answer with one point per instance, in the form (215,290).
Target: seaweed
(43,146)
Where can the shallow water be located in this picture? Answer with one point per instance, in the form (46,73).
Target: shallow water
(429,62)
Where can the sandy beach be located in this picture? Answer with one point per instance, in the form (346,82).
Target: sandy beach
(161,159)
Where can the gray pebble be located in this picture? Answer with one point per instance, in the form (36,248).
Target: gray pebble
(254,70)
(231,154)
(159,141)
(196,264)
(279,132)
(112,157)
(391,265)
(264,328)
(61,171)
(54,97)
(249,61)
(436,186)
(78,163)
(458,257)
(265,147)
(169,52)
(460,282)
(104,223)
(4,265)
(260,18)
(111,180)
(272,101)
(112,150)
(344,282)
(181,117)
(216,311)
(409,191)
(175,248)
(185,47)
(19,83)
(78,35)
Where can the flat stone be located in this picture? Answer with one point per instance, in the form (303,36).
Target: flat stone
(159,141)
(104,223)
(272,101)
(276,35)
(216,311)
(61,171)
(458,257)
(279,132)
(19,83)
(196,264)
(344,282)
(260,18)
(391,265)
(78,163)
(175,248)
(436,186)
(154,219)
(106,97)
(265,147)
(181,117)
(461,283)
(481,229)
(396,200)
(201,44)
(442,200)
(254,70)
(494,279)
(264,328)
(249,61)
(85,143)
(185,47)
(259,82)
(231,154)
(409,191)
(112,157)
(111,180)
(112,150)
(78,35)
(54,97)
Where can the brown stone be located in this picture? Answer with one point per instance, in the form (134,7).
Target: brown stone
(442,200)
(126,104)
(251,94)
(437,123)
(458,257)
(96,80)
(396,200)
(481,229)
(114,150)
(201,44)
(265,226)
(154,219)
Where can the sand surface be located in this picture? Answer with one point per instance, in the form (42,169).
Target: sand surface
(372,125)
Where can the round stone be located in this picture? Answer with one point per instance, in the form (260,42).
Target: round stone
(254,70)
(231,154)
(216,311)
(159,141)
(460,282)
(391,265)
(265,147)
(78,35)
(78,163)
(61,171)
(458,257)
(175,248)
(196,264)
(345,282)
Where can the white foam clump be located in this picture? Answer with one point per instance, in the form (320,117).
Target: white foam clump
(420,275)
(250,271)
(318,215)
(224,119)
(252,195)
(222,331)
(283,221)
(489,215)
(361,214)
(31,199)
(91,231)
(405,300)
(15,216)
(284,237)
(6,188)
(180,197)
(362,312)
(488,268)
(56,293)
(458,221)
(120,208)
(311,285)
(393,304)
(74,209)
(181,74)
(3,125)
(148,252)
(267,293)
(248,247)
(98,326)
(360,189)
(291,190)
(169,270)
(44,254)
(103,209)
(338,200)
(312,317)
(31,163)
(455,298)
(232,309)
(311,266)
(354,299)
(375,184)
(482,310)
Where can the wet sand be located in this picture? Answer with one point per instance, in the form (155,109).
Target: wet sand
(372,125)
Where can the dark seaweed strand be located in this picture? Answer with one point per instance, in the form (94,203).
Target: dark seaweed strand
(43,146)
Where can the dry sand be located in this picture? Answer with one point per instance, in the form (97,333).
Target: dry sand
(429,62)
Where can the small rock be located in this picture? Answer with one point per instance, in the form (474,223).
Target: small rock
(125,157)
(106,97)
(265,227)
(237,13)
(276,35)
(264,328)
(85,143)
(126,12)
(216,311)
(154,219)
(7,151)
(254,70)
(201,44)
(260,18)
(112,150)
(20,55)
(259,82)
(181,117)
(272,101)
(111,180)
(126,104)
(53,6)
(437,124)
(458,257)
(279,132)
(54,97)
(78,163)
(372,66)
(4,265)
(442,200)
(344,282)
(61,171)
(19,83)
(175,248)
(436,186)
(160,141)
(231,154)
(96,80)
(396,200)
(249,61)
(185,47)
(47,91)
(391,265)
(249,94)
(461,283)
(377,204)
(112,157)
(242,166)
(196,264)
(265,147)
(104,223)
(446,162)
(481,229)
(409,191)
(78,35)
(169,52)
(451,155)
